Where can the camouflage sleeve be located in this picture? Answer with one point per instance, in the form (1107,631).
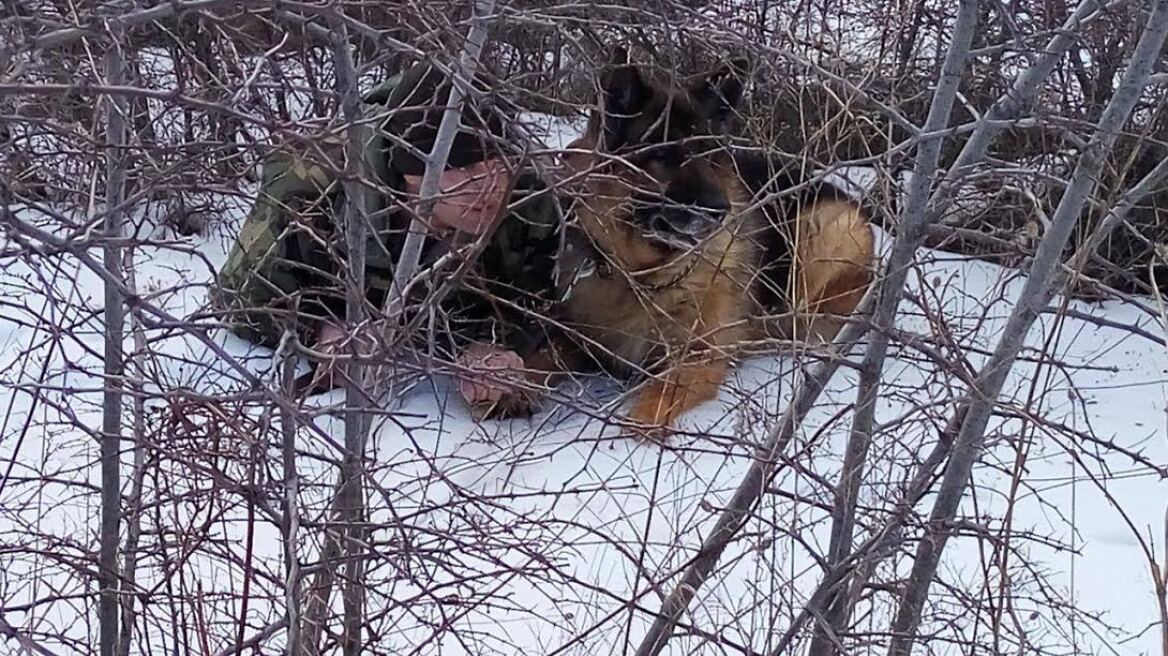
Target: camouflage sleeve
(281,271)
(282,267)
(514,289)
(277,271)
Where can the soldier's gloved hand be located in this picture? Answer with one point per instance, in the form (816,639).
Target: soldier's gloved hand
(497,365)
(332,340)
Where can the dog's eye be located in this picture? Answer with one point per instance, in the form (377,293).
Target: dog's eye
(668,154)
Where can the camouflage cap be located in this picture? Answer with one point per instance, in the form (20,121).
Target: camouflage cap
(418,101)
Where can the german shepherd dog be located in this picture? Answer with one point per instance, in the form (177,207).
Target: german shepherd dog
(692,244)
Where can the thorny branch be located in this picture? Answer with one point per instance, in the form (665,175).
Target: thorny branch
(548,534)
(889,289)
(1035,295)
(112,402)
(757,480)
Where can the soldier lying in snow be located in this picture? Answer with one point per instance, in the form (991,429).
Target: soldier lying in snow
(286,268)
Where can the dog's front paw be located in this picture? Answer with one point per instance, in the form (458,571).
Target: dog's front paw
(655,409)
(663,400)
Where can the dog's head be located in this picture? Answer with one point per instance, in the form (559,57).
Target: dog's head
(655,182)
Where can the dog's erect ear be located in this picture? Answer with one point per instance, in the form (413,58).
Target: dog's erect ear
(718,94)
(624,95)
(620,57)
(623,88)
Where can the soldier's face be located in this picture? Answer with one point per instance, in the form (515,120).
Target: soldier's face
(470,197)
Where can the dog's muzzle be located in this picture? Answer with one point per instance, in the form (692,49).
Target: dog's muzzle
(685,226)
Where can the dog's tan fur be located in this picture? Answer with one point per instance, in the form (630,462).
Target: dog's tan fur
(835,249)
(677,315)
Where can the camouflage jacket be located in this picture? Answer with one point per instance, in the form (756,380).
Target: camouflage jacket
(293,237)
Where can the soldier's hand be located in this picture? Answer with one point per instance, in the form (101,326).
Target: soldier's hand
(330,341)
(492,370)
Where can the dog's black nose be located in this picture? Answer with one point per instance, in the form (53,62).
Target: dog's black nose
(716,207)
(691,221)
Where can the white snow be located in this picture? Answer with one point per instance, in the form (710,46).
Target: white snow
(554,521)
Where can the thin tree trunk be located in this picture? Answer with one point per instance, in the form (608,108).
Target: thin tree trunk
(1161,574)
(889,294)
(1035,296)
(112,396)
(347,506)
(318,594)
(137,477)
(357,422)
(295,645)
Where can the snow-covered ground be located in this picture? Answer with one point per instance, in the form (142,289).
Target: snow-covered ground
(530,536)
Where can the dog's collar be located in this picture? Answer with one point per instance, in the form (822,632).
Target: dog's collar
(579,259)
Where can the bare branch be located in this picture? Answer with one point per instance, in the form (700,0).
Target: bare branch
(407,263)
(111,441)
(356,418)
(1035,296)
(889,295)
(118,23)
(1020,95)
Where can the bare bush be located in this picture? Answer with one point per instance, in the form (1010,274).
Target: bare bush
(163,489)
